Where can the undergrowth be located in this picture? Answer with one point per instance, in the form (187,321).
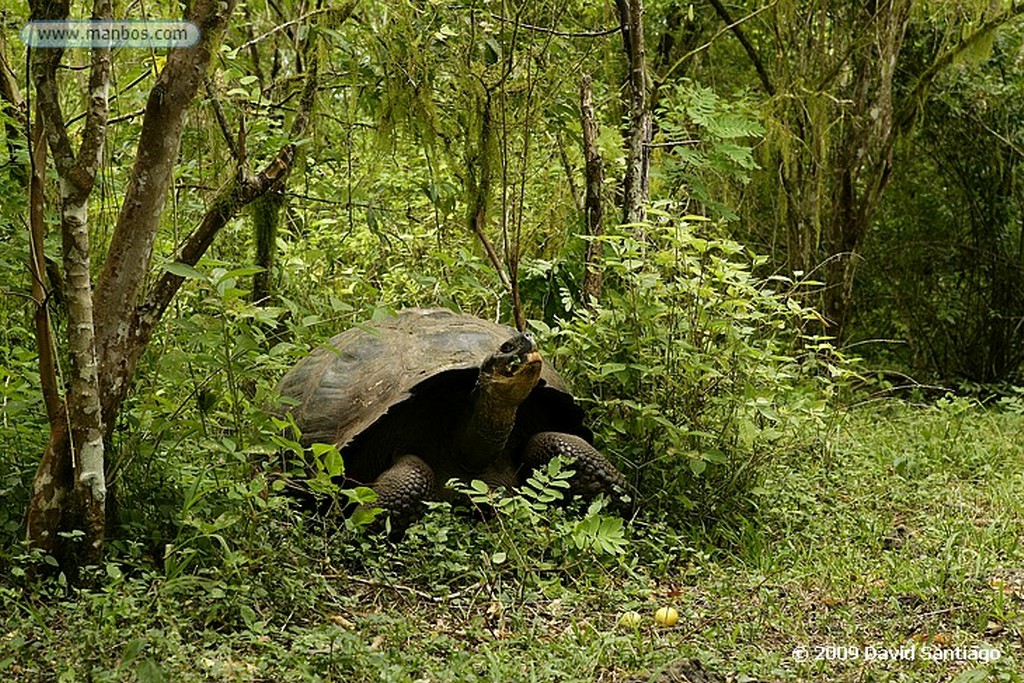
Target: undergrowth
(904,534)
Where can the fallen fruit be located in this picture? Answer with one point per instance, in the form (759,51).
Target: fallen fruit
(666,616)
(630,619)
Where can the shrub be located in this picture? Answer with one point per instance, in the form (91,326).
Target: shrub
(690,367)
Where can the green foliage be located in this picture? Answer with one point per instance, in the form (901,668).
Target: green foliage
(933,555)
(189,471)
(687,367)
(708,138)
(693,369)
(22,416)
(534,535)
(943,275)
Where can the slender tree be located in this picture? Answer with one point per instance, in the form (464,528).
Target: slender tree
(82,499)
(111,324)
(638,131)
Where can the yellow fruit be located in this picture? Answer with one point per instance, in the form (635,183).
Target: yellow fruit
(666,616)
(630,619)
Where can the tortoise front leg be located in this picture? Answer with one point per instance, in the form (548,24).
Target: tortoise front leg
(594,473)
(402,488)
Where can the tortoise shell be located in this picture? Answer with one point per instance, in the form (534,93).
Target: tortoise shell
(406,372)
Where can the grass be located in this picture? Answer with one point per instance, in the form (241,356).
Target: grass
(904,533)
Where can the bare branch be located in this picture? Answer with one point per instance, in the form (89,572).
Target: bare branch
(737,31)
(664,77)
(222,119)
(593,207)
(561,34)
(37,266)
(289,24)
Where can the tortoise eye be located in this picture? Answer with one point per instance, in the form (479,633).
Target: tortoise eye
(508,347)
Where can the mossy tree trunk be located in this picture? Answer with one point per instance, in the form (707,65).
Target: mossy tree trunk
(74,495)
(638,131)
(268,210)
(69,489)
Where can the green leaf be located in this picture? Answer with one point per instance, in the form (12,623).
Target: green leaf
(716,456)
(361,495)
(362,517)
(334,465)
(183,270)
(972,676)
(248,616)
(150,672)
(244,271)
(132,650)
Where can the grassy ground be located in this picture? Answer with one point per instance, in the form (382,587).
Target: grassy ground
(903,539)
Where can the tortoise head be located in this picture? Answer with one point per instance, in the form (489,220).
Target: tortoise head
(512,371)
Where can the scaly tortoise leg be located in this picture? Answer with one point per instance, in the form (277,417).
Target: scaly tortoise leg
(594,473)
(402,488)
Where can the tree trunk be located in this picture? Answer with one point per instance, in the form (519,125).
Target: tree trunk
(266,220)
(267,209)
(80,445)
(593,209)
(131,246)
(863,159)
(69,490)
(638,134)
(478,195)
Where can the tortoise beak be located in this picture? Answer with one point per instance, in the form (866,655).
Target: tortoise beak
(521,355)
(532,356)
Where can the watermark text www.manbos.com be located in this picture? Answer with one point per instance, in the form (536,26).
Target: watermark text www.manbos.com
(112,33)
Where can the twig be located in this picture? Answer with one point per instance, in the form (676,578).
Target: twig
(555,32)
(745,42)
(708,44)
(287,24)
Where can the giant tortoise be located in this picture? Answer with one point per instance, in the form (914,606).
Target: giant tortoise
(429,395)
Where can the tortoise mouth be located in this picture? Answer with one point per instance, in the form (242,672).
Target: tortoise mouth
(526,363)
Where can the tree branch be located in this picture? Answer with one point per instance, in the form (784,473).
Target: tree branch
(593,207)
(664,77)
(37,267)
(741,36)
(225,206)
(561,34)
(913,103)
(638,134)
(131,244)
(222,119)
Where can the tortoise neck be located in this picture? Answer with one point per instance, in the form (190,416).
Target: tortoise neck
(487,430)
